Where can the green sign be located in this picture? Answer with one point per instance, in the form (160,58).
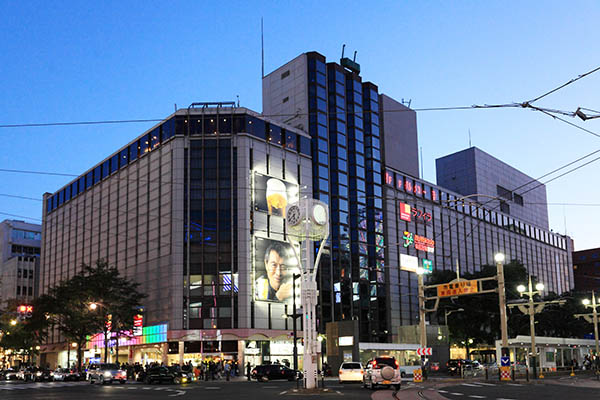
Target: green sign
(427,266)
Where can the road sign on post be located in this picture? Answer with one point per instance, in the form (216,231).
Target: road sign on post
(424,351)
(457,288)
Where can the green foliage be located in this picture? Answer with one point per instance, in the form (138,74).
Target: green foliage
(66,306)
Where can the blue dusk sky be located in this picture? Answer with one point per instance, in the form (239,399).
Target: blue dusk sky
(70,61)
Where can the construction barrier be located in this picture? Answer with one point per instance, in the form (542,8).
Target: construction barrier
(505,373)
(417,376)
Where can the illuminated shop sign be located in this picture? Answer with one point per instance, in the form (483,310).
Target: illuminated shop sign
(406,212)
(150,334)
(409,263)
(420,242)
(138,324)
(272,195)
(409,185)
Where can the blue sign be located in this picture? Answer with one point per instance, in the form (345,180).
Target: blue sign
(588,336)
(505,361)
(427,266)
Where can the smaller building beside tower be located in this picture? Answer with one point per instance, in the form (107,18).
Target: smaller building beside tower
(473,171)
(19,260)
(586,270)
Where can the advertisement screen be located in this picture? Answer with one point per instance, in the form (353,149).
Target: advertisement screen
(274,267)
(272,195)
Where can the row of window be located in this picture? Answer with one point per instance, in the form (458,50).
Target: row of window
(24,291)
(26,273)
(17,234)
(448,200)
(148,142)
(17,249)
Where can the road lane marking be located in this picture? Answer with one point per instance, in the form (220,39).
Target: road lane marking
(442,391)
(486,384)
(457,394)
(284,392)
(474,396)
(470,384)
(212,387)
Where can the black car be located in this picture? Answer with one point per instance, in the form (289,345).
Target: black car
(160,375)
(43,375)
(274,371)
(455,366)
(181,375)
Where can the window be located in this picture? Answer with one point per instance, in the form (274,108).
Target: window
(81,184)
(503,192)
(144,145)
(290,140)
(518,199)
(133,151)
(97,174)
(285,99)
(114,163)
(155,138)
(74,189)
(285,74)
(105,169)
(123,157)
(89,179)
(30,291)
(304,145)
(504,207)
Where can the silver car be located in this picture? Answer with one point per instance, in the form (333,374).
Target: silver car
(106,373)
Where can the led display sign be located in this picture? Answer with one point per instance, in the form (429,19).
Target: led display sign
(272,195)
(427,266)
(420,242)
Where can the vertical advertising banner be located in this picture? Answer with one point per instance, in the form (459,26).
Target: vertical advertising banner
(405,212)
(272,195)
(274,267)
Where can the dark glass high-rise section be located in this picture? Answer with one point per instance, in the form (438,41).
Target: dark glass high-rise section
(341,114)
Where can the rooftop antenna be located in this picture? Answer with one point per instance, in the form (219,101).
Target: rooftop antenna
(406,102)
(175,104)
(238,99)
(469,137)
(354,59)
(350,65)
(262,48)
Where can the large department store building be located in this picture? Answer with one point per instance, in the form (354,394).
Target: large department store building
(193,210)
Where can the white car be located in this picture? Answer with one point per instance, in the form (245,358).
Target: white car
(351,372)
(107,373)
(382,371)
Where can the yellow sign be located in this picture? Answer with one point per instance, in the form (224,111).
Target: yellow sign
(417,375)
(457,288)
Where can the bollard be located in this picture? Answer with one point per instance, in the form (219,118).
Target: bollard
(527,374)
(514,374)
(572,372)
(486,373)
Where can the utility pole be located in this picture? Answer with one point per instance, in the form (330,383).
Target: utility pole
(499,258)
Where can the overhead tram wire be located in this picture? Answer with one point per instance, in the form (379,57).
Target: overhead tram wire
(564,85)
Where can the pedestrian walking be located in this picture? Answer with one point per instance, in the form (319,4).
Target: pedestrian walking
(248,368)
(227,370)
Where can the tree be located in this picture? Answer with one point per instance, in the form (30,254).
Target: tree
(67,305)
(480,321)
(19,337)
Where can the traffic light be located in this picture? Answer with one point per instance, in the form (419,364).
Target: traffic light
(24,311)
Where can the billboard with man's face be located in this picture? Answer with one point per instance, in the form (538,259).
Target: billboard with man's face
(272,195)
(274,267)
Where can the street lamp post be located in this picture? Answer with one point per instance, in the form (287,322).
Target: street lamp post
(592,318)
(446,313)
(531,309)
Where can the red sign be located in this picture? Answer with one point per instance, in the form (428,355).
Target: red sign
(421,215)
(138,323)
(424,351)
(405,212)
(424,244)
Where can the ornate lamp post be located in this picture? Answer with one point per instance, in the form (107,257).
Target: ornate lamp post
(308,221)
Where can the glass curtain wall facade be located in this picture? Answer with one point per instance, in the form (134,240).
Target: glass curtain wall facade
(462,233)
(344,126)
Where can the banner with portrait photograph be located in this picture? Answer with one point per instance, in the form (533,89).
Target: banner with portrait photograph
(272,195)
(274,268)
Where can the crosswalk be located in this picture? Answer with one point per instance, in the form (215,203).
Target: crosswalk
(39,385)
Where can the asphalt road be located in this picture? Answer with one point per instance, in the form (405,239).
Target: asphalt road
(516,391)
(214,390)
